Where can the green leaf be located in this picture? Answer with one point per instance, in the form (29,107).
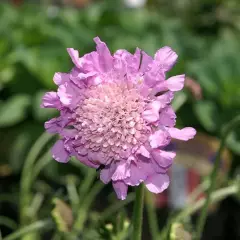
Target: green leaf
(13,110)
(207,114)
(233,142)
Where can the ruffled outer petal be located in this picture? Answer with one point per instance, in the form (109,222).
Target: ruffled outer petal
(176,83)
(59,153)
(122,171)
(107,172)
(75,57)
(121,189)
(60,78)
(166,58)
(157,183)
(182,134)
(151,114)
(167,117)
(159,138)
(69,95)
(163,159)
(51,100)
(53,125)
(105,57)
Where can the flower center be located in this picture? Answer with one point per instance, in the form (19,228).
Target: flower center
(109,120)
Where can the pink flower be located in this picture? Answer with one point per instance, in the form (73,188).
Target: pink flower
(111,117)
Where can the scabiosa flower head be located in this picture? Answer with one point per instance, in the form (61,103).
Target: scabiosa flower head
(115,114)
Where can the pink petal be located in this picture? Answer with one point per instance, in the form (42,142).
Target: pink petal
(105,57)
(143,151)
(138,174)
(136,60)
(125,62)
(85,161)
(122,171)
(154,75)
(107,172)
(69,94)
(182,134)
(121,57)
(60,78)
(166,58)
(146,61)
(53,125)
(157,168)
(91,63)
(176,83)
(75,57)
(51,100)
(97,157)
(159,138)
(59,153)
(121,189)
(69,133)
(151,114)
(167,117)
(163,158)
(165,99)
(157,183)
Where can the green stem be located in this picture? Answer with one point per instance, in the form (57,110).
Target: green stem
(72,193)
(138,213)
(86,184)
(226,130)
(30,228)
(152,216)
(116,206)
(8,222)
(216,197)
(84,208)
(26,177)
(41,163)
(201,188)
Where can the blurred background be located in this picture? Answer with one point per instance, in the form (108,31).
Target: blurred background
(34,35)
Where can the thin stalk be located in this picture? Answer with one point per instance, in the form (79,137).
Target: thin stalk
(26,177)
(84,208)
(43,224)
(202,219)
(216,197)
(86,184)
(72,193)
(138,213)
(201,188)
(35,205)
(152,216)
(116,206)
(41,163)
(8,222)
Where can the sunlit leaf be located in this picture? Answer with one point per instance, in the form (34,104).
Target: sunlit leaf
(14,110)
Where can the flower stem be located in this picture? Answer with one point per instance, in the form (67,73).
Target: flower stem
(226,130)
(217,196)
(42,224)
(26,177)
(138,213)
(116,207)
(152,215)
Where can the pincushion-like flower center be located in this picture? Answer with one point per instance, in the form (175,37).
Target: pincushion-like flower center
(109,120)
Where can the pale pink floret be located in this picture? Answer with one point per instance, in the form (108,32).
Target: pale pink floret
(111,117)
